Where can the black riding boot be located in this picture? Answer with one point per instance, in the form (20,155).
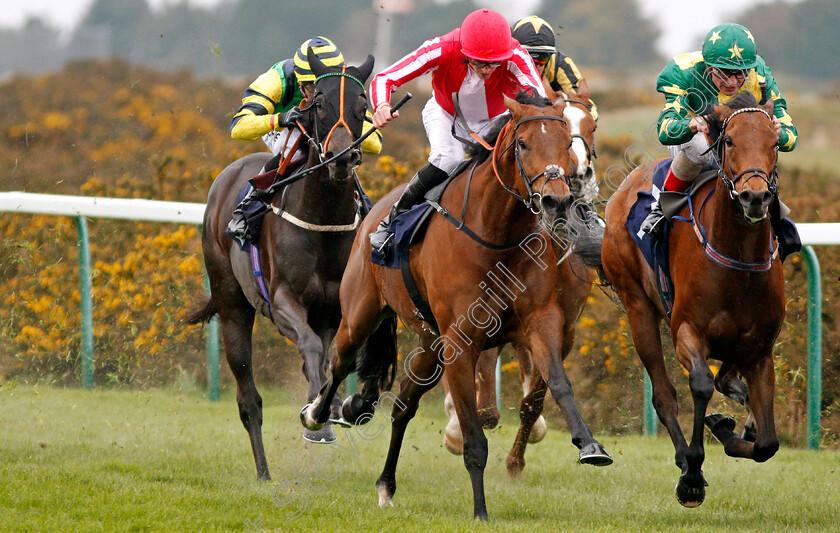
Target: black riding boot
(426,178)
(238,226)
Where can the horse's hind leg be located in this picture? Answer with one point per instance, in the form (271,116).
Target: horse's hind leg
(528,373)
(424,372)
(236,334)
(485,380)
(728,382)
(529,412)
(761,380)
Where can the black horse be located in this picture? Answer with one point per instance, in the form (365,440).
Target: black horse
(302,252)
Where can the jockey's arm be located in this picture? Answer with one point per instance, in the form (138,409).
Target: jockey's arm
(255,117)
(788,134)
(373,144)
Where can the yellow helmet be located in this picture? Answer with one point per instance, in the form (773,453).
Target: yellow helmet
(324,49)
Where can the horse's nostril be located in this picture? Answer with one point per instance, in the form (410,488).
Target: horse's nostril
(766,198)
(550,204)
(554,205)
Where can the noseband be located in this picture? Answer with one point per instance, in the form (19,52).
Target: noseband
(551,172)
(726,172)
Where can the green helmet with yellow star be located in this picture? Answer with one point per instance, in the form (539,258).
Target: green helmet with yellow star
(729,46)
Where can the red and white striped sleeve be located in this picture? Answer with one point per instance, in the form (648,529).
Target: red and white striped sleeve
(522,67)
(420,61)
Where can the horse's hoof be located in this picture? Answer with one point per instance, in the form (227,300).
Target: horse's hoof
(718,421)
(489,417)
(690,496)
(309,423)
(538,431)
(354,409)
(515,468)
(325,435)
(453,444)
(595,454)
(386,497)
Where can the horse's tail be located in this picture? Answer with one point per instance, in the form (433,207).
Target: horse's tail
(202,312)
(376,365)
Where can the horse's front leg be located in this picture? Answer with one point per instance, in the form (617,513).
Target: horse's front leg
(692,351)
(644,329)
(315,414)
(545,345)
(761,381)
(460,375)
(290,317)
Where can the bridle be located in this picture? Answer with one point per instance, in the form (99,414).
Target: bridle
(726,173)
(552,172)
(314,139)
(590,149)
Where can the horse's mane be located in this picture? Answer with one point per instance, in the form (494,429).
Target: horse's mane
(739,101)
(478,153)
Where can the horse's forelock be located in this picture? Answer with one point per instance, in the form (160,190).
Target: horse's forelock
(742,100)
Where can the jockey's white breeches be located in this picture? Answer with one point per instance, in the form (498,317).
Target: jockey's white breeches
(283,141)
(694,149)
(447,152)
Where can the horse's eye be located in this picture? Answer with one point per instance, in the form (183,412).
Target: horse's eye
(521,144)
(728,140)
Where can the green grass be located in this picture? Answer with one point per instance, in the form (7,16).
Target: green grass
(106,460)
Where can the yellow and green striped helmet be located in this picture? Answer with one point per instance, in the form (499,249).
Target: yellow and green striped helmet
(324,49)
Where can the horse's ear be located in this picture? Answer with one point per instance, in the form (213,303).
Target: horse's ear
(512,105)
(714,118)
(549,92)
(768,106)
(315,64)
(583,93)
(366,68)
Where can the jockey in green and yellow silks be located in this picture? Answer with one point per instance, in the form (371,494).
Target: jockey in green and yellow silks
(726,66)
(280,89)
(270,109)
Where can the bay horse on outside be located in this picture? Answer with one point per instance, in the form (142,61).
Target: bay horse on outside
(574,282)
(484,289)
(729,299)
(303,252)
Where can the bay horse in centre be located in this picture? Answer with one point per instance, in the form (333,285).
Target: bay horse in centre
(484,287)
(303,246)
(728,290)
(574,282)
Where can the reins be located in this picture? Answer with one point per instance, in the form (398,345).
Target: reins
(729,181)
(551,172)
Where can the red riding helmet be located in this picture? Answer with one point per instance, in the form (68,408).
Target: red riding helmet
(485,36)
